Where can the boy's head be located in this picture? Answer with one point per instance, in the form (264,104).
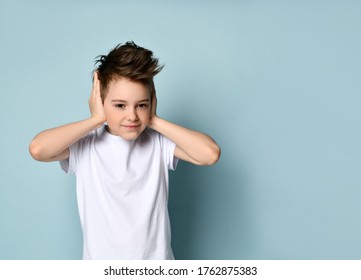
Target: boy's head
(128,61)
(127,88)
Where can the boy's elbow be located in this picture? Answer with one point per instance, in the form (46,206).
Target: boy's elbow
(35,151)
(216,155)
(213,155)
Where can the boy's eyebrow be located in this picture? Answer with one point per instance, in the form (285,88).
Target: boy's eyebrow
(124,101)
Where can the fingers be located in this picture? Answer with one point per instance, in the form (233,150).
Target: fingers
(95,100)
(154,105)
(96,85)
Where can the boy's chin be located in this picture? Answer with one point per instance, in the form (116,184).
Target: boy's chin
(128,135)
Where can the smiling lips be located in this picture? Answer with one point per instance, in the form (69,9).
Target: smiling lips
(131,126)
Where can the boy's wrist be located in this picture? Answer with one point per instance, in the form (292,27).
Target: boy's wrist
(97,121)
(153,121)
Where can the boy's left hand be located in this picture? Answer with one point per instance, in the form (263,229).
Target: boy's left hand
(153,108)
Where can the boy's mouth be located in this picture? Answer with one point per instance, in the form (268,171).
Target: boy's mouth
(131,126)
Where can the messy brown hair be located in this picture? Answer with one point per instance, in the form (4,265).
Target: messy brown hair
(128,61)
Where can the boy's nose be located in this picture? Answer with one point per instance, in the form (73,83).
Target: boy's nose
(132,115)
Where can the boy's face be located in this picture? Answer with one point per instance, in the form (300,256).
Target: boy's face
(127,108)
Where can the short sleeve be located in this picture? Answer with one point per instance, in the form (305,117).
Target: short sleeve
(69,165)
(168,148)
(77,152)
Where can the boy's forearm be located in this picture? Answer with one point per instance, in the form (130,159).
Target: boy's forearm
(200,147)
(50,143)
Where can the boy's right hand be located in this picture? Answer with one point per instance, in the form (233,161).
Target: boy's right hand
(95,101)
(53,144)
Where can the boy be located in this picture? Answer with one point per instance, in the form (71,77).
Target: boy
(121,167)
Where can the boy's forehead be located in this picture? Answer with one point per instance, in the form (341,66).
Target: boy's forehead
(126,89)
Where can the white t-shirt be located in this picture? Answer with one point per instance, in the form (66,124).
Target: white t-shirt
(122,194)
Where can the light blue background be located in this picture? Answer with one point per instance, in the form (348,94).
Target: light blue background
(275,83)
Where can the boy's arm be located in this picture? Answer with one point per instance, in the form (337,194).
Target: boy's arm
(191,146)
(53,144)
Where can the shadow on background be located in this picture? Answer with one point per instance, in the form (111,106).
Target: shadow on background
(210,212)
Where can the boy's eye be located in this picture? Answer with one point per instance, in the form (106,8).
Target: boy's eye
(120,106)
(143,105)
